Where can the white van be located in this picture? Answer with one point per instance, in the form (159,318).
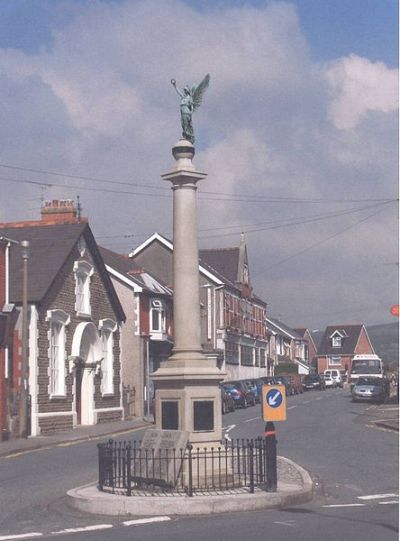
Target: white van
(336,377)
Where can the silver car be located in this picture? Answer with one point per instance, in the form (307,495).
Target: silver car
(372,389)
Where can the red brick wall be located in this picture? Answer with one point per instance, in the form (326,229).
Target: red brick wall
(363,345)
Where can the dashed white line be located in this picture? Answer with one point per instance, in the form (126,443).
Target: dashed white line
(20,536)
(84,529)
(306,402)
(145,521)
(287,523)
(377,496)
(390,502)
(346,505)
(253,419)
(291,407)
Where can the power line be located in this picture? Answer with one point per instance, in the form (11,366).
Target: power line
(325,239)
(251,198)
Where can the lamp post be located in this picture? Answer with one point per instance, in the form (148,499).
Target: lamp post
(23,404)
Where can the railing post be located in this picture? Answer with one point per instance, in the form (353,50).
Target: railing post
(128,470)
(101,466)
(251,466)
(271,452)
(190,471)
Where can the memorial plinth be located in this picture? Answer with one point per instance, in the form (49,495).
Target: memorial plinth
(187,392)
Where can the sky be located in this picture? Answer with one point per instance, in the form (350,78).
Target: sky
(298,133)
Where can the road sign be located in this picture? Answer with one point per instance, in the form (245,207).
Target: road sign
(274,402)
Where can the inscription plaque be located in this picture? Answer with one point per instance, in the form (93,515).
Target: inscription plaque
(203,415)
(160,457)
(169,415)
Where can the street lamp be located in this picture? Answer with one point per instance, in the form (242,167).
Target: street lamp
(23,405)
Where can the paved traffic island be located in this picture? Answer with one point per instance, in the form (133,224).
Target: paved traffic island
(294,487)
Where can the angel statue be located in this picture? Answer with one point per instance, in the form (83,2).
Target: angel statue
(190,101)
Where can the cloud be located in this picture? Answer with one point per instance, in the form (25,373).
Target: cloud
(359,86)
(97,101)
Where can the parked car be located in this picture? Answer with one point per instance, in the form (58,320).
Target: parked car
(285,380)
(268,380)
(296,384)
(255,386)
(329,381)
(227,401)
(369,388)
(313,381)
(336,377)
(241,394)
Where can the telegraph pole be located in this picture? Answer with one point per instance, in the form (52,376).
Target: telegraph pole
(24,390)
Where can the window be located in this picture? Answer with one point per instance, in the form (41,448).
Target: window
(335,360)
(246,355)
(336,341)
(231,353)
(157,316)
(58,319)
(83,271)
(262,358)
(107,328)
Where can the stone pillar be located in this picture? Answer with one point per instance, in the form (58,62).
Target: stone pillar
(187,391)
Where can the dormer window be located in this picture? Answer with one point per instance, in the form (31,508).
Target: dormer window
(157,316)
(83,270)
(337,341)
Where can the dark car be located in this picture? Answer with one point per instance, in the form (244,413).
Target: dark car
(268,380)
(255,385)
(227,402)
(313,381)
(241,394)
(371,389)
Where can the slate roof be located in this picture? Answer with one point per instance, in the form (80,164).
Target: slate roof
(130,269)
(224,260)
(279,327)
(50,247)
(349,342)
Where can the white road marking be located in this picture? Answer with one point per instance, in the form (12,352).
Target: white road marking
(377,496)
(306,402)
(20,536)
(145,521)
(319,398)
(84,529)
(292,407)
(394,502)
(228,429)
(253,419)
(287,523)
(346,505)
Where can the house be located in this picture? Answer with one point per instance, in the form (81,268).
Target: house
(310,348)
(339,345)
(232,318)
(290,348)
(74,321)
(147,335)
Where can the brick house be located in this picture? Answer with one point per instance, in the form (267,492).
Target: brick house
(290,347)
(339,345)
(310,349)
(232,318)
(74,320)
(146,337)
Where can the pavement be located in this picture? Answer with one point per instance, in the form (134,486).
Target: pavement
(82,433)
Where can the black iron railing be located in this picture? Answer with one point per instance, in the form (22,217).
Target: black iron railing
(125,467)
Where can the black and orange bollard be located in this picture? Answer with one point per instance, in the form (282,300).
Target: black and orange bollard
(271,457)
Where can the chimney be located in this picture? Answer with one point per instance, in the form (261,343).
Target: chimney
(59,211)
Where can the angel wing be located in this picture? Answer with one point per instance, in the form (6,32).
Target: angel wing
(198,91)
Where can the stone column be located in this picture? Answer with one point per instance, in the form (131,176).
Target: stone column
(187,391)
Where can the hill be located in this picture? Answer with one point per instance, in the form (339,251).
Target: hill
(385,341)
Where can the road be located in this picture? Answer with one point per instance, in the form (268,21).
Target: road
(355,468)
